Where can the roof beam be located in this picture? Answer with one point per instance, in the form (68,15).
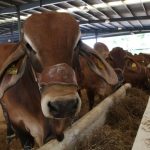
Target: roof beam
(144,8)
(117,19)
(87,33)
(132,14)
(107,18)
(111,8)
(108,33)
(32,5)
(87,4)
(103,20)
(82,13)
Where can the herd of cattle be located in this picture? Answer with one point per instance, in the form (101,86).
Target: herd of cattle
(41,76)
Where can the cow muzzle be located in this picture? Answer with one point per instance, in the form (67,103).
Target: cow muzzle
(61,107)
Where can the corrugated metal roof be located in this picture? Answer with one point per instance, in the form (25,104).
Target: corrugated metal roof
(96,17)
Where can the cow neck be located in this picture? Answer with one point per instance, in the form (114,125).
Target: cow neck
(145,71)
(76,64)
(35,76)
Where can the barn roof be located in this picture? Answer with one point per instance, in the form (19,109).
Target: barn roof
(96,17)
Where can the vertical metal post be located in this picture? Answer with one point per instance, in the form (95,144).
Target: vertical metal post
(19,22)
(11,33)
(96,35)
(41,3)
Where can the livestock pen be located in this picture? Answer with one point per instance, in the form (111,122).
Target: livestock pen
(114,121)
(105,127)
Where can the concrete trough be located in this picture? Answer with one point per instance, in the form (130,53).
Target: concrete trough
(1,115)
(142,140)
(86,125)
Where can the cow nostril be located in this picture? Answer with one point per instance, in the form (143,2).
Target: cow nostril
(60,137)
(75,104)
(53,107)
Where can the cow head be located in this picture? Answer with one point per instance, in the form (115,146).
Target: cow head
(59,92)
(143,59)
(103,51)
(60,99)
(58,89)
(58,86)
(132,71)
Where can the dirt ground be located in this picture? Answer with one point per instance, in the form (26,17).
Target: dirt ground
(118,133)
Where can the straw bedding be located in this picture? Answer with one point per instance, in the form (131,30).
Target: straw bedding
(119,131)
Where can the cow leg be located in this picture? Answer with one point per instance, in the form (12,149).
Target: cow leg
(27,141)
(90,95)
(79,92)
(10,131)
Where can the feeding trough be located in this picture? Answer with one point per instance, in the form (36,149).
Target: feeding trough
(142,140)
(85,126)
(1,115)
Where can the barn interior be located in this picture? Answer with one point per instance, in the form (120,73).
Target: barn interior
(97,19)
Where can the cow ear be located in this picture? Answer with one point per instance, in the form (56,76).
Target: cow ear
(11,75)
(98,64)
(103,70)
(34,59)
(16,53)
(131,64)
(134,66)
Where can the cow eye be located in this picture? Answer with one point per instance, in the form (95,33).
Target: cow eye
(41,87)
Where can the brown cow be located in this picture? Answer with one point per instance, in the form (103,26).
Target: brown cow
(51,39)
(133,72)
(23,108)
(146,59)
(143,59)
(50,48)
(94,73)
(103,51)
(34,27)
